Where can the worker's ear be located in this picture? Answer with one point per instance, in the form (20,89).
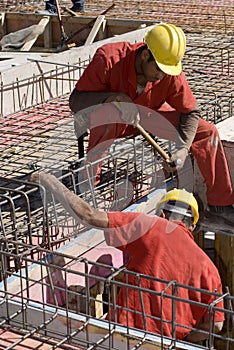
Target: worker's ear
(145,55)
(192,227)
(161,213)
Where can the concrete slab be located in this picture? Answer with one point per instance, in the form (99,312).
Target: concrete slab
(226,129)
(226,132)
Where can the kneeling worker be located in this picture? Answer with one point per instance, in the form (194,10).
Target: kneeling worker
(160,246)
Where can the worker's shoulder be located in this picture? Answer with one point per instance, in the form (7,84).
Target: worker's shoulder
(119,45)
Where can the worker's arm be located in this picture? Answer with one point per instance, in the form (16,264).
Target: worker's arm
(181,98)
(187,129)
(75,205)
(195,337)
(80,100)
(186,132)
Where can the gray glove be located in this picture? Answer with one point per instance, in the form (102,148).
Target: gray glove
(128,112)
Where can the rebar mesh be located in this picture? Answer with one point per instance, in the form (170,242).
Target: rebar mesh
(64,298)
(33,225)
(196,15)
(47,141)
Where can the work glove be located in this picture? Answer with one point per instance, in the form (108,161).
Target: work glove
(129,112)
(176,161)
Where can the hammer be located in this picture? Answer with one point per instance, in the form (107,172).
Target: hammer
(156,146)
(144,133)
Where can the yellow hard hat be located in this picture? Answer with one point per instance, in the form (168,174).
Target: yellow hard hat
(173,199)
(167,44)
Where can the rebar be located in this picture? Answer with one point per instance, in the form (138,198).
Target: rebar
(33,300)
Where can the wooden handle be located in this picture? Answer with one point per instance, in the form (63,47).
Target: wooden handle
(89,24)
(71,12)
(153,142)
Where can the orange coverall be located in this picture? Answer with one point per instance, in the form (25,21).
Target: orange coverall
(112,69)
(150,243)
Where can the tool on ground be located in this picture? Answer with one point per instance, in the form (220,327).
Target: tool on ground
(64,36)
(156,146)
(88,25)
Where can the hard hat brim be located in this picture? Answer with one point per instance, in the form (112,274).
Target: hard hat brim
(170,70)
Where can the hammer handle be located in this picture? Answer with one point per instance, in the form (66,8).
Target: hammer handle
(153,142)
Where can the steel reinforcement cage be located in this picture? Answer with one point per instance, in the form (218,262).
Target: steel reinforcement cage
(33,224)
(130,170)
(66,301)
(208,65)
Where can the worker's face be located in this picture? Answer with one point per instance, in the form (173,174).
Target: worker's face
(150,69)
(166,215)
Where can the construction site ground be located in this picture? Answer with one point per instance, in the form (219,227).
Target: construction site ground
(193,13)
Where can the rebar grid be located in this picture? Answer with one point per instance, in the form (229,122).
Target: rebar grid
(208,65)
(25,136)
(200,15)
(63,297)
(42,137)
(29,214)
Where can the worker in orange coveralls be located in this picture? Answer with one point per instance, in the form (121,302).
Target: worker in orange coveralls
(150,74)
(162,247)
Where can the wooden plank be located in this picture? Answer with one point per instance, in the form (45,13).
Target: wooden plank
(71,12)
(224,259)
(35,33)
(223,249)
(2,24)
(48,42)
(215,225)
(99,21)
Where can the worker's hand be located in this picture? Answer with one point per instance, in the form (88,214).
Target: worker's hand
(129,112)
(49,181)
(176,161)
(35,177)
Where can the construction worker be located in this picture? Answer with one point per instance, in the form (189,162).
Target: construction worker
(162,247)
(150,74)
